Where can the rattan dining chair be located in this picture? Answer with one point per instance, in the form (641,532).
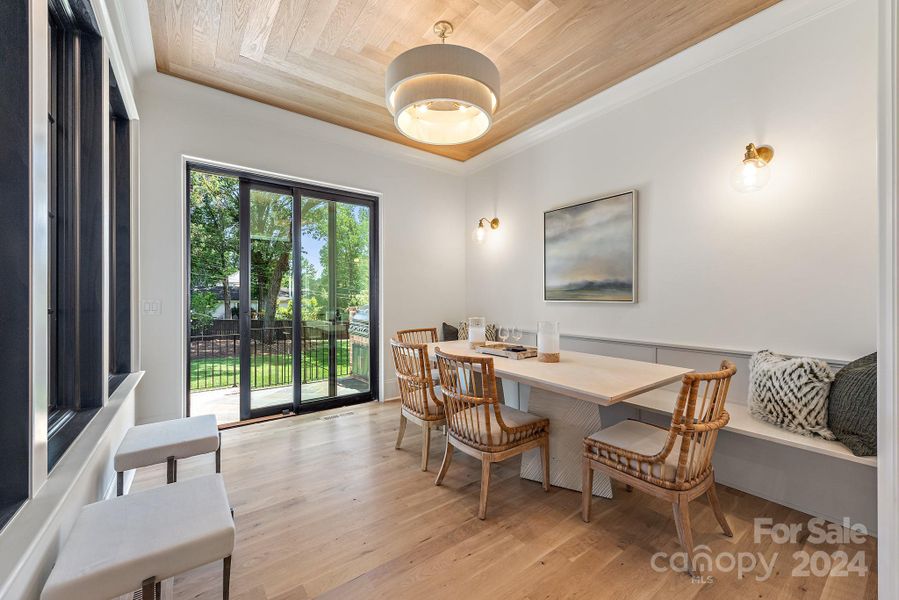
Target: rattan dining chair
(421,402)
(674,464)
(425,335)
(479,425)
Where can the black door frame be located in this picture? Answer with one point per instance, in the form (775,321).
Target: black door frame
(298,189)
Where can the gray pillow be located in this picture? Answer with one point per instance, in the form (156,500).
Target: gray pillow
(790,392)
(852,406)
(450,333)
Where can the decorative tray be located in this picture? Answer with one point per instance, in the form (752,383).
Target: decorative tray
(513,351)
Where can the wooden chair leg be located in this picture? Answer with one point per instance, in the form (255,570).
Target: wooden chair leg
(425,445)
(218,455)
(681,510)
(587,491)
(716,508)
(485,485)
(226,578)
(399,435)
(444,467)
(544,454)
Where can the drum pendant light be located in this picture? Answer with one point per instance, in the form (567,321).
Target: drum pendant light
(442,94)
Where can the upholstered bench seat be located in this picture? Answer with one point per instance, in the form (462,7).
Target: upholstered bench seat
(167,441)
(117,545)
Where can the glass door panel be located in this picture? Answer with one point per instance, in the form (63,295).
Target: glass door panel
(214,336)
(315,294)
(352,302)
(271,300)
(334,282)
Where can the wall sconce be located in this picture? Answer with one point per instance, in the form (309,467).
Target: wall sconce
(753,173)
(481,231)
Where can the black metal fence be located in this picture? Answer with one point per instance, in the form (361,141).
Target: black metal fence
(215,354)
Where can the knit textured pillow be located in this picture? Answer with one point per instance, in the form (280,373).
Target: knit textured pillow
(489,331)
(852,406)
(790,392)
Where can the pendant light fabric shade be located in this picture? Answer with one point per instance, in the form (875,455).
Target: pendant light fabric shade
(442,94)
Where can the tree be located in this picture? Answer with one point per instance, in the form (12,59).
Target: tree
(202,305)
(351,256)
(215,244)
(271,243)
(214,233)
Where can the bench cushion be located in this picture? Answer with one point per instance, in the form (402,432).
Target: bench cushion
(116,544)
(153,443)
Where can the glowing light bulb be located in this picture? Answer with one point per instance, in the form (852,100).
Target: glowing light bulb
(750,176)
(480,232)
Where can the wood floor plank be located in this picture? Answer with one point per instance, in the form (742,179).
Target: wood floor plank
(329,509)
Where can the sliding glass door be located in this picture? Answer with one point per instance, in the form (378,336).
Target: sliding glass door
(301,332)
(335,242)
(266,290)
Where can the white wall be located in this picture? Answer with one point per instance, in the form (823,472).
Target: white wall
(792,268)
(422,213)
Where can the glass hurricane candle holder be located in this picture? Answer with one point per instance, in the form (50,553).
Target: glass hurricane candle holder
(548,342)
(477,331)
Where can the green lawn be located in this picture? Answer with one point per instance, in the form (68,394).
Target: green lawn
(267,370)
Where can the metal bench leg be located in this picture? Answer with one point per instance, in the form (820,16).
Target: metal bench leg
(149,588)
(226,578)
(218,456)
(171,470)
(120,483)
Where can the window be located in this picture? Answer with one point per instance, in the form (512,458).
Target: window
(66,243)
(119,238)
(75,244)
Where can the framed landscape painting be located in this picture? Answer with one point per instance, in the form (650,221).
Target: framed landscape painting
(590,251)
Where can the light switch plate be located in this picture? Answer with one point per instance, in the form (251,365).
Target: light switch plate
(152,307)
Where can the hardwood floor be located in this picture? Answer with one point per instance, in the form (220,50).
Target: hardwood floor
(325,507)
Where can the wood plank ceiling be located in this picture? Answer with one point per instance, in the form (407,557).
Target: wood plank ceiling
(327,58)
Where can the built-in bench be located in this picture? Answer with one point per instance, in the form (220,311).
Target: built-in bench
(741,422)
(813,475)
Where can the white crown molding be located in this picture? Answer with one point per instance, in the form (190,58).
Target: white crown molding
(172,87)
(739,38)
(134,24)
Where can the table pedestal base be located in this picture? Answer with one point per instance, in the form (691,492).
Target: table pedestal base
(570,421)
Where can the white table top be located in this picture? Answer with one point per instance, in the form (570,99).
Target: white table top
(599,379)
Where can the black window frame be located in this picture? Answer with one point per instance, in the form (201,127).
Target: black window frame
(76,202)
(15,252)
(297,188)
(119,238)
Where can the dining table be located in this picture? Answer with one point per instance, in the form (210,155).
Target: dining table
(569,393)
